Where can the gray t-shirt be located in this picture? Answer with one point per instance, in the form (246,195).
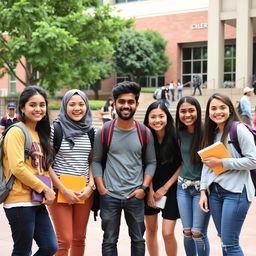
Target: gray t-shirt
(124,172)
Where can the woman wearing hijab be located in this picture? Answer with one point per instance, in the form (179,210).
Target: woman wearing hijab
(73,158)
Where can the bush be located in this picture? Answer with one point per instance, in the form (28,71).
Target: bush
(94,105)
(148,89)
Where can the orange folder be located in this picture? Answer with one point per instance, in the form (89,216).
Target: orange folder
(217,150)
(75,183)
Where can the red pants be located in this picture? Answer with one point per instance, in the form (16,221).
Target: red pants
(70,222)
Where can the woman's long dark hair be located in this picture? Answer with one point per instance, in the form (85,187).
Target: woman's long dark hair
(107,104)
(43,126)
(197,136)
(170,143)
(210,129)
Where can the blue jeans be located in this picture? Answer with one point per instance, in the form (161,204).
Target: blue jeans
(228,212)
(179,95)
(194,219)
(110,212)
(28,223)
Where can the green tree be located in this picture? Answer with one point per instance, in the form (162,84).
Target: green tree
(140,54)
(63,42)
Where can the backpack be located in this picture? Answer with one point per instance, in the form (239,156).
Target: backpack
(106,136)
(6,186)
(157,94)
(234,141)
(6,119)
(58,135)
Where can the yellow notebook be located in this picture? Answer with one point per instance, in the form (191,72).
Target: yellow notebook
(75,183)
(217,150)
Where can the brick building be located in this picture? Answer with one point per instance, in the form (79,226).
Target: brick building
(214,38)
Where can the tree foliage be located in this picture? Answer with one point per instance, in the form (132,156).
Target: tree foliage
(140,53)
(63,42)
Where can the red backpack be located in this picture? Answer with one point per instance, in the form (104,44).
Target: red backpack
(6,119)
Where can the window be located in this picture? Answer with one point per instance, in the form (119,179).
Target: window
(230,63)
(194,60)
(12,83)
(147,81)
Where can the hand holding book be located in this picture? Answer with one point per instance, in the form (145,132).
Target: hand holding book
(212,154)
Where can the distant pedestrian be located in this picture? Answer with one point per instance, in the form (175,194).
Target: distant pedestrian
(172,88)
(164,184)
(107,112)
(124,181)
(179,89)
(166,95)
(197,81)
(245,106)
(10,117)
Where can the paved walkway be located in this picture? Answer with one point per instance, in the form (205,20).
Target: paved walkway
(94,233)
(94,237)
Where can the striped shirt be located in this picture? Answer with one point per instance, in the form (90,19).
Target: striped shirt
(73,161)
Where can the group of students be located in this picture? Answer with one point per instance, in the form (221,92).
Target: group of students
(127,182)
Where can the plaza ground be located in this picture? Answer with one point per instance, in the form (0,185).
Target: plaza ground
(94,237)
(94,232)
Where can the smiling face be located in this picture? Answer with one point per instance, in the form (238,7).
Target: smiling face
(34,109)
(126,106)
(188,115)
(76,108)
(157,119)
(219,112)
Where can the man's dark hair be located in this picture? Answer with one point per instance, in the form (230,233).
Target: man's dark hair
(126,87)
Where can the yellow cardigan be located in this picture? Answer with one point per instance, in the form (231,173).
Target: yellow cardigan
(13,163)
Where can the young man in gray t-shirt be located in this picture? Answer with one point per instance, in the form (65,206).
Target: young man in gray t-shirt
(123,183)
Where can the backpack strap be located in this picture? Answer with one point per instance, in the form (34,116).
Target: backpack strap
(106,136)
(57,136)
(5,119)
(233,137)
(27,148)
(142,131)
(28,139)
(91,135)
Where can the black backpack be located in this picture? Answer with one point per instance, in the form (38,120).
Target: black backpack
(58,135)
(6,186)
(106,136)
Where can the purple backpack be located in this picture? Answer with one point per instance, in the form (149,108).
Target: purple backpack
(234,141)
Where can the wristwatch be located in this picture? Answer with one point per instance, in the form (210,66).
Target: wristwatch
(92,186)
(145,188)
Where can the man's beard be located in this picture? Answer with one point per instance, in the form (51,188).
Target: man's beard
(126,117)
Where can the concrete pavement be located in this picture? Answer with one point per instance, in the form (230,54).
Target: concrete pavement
(94,237)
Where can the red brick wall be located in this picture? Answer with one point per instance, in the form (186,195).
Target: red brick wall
(177,29)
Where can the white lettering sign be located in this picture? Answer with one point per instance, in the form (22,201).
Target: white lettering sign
(199,26)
